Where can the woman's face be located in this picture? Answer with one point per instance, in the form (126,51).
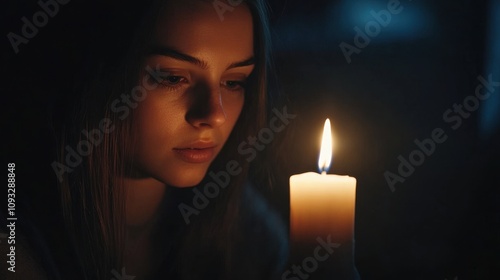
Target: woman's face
(186,118)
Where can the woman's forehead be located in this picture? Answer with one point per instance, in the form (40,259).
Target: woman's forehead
(194,27)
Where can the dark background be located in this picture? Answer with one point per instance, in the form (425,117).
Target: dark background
(442,222)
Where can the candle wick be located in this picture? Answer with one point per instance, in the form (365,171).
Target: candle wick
(323,172)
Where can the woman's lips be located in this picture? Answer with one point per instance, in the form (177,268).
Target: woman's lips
(196,153)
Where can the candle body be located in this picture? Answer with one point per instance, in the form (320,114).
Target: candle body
(322,205)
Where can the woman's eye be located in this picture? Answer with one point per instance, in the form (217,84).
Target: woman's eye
(173,79)
(234,85)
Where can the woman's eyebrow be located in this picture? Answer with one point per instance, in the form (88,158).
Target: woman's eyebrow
(246,62)
(170,52)
(166,51)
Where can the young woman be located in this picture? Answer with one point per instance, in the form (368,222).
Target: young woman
(153,179)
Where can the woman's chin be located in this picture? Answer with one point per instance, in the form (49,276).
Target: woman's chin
(183,180)
(184,185)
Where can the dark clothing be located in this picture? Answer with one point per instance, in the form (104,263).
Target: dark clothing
(260,251)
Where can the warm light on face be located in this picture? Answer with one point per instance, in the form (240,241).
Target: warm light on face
(186,120)
(325,154)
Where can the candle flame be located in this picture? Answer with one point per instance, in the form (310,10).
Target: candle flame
(325,154)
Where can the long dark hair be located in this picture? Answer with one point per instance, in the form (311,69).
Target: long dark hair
(93,199)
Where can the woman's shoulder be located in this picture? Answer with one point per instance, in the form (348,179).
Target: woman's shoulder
(260,216)
(265,234)
(27,241)
(22,261)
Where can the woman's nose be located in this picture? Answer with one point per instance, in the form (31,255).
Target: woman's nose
(207,108)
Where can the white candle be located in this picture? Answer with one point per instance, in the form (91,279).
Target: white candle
(321,204)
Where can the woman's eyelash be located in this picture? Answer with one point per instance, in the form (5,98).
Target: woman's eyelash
(234,85)
(173,81)
(170,81)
